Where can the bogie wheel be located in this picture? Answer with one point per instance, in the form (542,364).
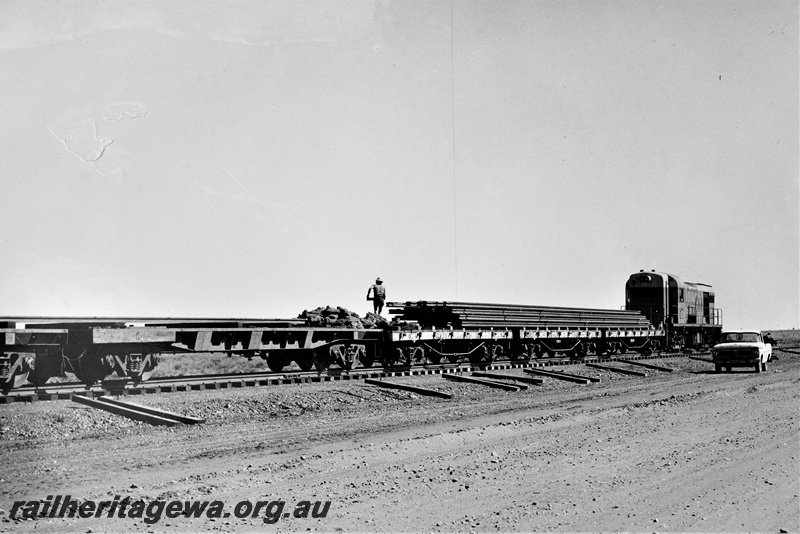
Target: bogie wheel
(46,367)
(758,366)
(391,358)
(727,369)
(275,363)
(305,361)
(764,367)
(90,368)
(479,355)
(367,361)
(717,368)
(322,360)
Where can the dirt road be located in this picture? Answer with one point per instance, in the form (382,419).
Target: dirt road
(682,451)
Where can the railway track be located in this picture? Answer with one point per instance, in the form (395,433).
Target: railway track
(115,386)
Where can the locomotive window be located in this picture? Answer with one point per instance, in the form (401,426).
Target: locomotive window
(680,293)
(644,295)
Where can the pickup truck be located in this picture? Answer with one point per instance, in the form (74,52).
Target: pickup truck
(743,348)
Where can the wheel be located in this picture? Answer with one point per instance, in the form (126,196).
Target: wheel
(727,369)
(91,367)
(46,366)
(305,361)
(275,363)
(764,366)
(477,355)
(717,368)
(322,360)
(480,355)
(390,358)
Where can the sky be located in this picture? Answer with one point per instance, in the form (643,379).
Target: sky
(255,159)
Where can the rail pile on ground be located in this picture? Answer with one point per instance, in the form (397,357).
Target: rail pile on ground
(481,315)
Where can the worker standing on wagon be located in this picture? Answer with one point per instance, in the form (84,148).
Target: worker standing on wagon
(378,295)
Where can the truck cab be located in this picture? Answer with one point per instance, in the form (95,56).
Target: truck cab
(742,348)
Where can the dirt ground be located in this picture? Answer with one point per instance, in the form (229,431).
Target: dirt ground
(688,451)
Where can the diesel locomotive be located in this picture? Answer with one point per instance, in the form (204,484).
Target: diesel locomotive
(685,309)
(661,312)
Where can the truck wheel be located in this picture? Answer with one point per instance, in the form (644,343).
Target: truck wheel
(758,366)
(764,367)
(717,368)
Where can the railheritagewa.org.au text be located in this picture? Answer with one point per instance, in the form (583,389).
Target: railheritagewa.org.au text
(151,512)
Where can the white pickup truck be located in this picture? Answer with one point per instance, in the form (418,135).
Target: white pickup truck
(743,348)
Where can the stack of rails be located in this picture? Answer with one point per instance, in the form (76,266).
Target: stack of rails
(473,315)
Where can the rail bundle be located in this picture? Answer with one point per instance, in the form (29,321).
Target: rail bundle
(484,332)
(482,315)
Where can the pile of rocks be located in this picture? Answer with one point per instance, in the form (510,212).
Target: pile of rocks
(338,317)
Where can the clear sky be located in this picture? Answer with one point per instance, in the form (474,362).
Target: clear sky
(254,159)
